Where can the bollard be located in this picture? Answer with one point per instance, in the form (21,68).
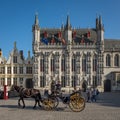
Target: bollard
(5,92)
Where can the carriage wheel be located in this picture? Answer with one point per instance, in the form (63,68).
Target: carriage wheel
(48,104)
(56,101)
(77,104)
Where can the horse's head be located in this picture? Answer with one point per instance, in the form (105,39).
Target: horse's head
(12,88)
(15,88)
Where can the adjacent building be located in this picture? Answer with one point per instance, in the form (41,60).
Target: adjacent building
(16,69)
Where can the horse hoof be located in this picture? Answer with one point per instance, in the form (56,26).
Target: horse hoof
(23,107)
(40,106)
(34,107)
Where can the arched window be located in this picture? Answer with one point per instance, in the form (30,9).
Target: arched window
(42,65)
(116,60)
(63,63)
(52,64)
(108,60)
(94,63)
(63,81)
(73,64)
(42,81)
(84,63)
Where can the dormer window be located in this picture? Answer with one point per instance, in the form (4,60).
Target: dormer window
(15,59)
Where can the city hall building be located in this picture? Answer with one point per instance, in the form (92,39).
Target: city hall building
(78,58)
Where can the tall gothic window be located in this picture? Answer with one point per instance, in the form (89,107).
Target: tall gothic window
(52,65)
(63,81)
(2,70)
(42,81)
(108,60)
(41,65)
(15,81)
(9,70)
(116,60)
(94,63)
(73,64)
(9,81)
(21,70)
(63,64)
(28,70)
(2,81)
(15,70)
(95,81)
(84,63)
(14,59)
(74,81)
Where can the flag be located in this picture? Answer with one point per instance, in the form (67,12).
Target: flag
(63,41)
(45,34)
(45,41)
(88,34)
(52,40)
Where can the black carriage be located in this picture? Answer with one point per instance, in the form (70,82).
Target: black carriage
(75,101)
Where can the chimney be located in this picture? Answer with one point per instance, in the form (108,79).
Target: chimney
(21,54)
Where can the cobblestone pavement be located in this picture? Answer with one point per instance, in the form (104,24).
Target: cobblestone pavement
(107,107)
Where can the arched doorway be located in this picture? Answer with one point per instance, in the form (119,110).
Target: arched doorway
(107,85)
(29,83)
(84,86)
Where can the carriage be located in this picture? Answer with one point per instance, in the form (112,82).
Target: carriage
(75,100)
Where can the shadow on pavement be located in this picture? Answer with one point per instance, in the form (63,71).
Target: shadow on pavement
(111,99)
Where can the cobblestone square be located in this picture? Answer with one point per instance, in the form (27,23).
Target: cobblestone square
(107,107)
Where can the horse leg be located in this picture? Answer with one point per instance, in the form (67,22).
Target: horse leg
(35,104)
(19,102)
(23,102)
(39,103)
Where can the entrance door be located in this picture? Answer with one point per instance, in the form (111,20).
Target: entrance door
(107,85)
(84,86)
(29,83)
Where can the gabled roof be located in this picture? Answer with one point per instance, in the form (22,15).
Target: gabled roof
(112,44)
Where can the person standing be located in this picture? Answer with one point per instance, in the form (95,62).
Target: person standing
(53,87)
(94,93)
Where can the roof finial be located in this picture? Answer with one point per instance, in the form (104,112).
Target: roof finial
(68,25)
(14,45)
(36,19)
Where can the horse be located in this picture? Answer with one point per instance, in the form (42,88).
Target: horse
(27,93)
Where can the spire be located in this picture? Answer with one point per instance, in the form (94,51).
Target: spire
(68,25)
(28,54)
(100,20)
(101,27)
(36,19)
(97,23)
(36,23)
(15,45)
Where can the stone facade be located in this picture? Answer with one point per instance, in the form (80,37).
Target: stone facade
(78,58)
(16,69)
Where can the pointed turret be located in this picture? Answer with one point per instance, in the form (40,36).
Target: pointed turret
(36,23)
(36,32)
(68,25)
(68,31)
(36,20)
(101,27)
(15,45)
(97,23)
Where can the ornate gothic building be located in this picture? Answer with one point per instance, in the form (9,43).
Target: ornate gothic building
(78,58)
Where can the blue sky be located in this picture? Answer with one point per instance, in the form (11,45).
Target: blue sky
(17,18)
